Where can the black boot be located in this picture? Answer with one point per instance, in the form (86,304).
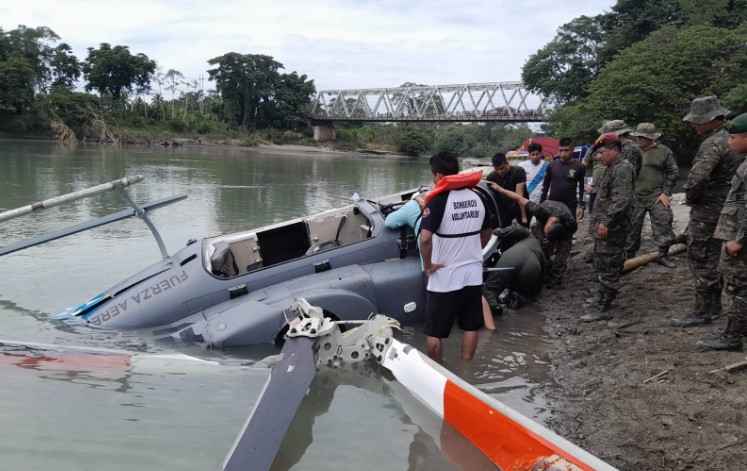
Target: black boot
(629,255)
(492,299)
(699,316)
(730,340)
(664,258)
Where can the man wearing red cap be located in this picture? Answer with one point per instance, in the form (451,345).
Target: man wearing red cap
(610,224)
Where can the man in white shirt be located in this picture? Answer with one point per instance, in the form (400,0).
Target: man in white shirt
(454,229)
(535,169)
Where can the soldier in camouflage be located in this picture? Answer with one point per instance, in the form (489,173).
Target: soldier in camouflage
(705,191)
(653,194)
(554,229)
(631,151)
(595,168)
(610,224)
(732,229)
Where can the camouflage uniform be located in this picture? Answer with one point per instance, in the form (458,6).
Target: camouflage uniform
(659,165)
(612,208)
(594,168)
(732,225)
(633,154)
(556,252)
(707,185)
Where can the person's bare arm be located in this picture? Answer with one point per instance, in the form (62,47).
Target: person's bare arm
(514,196)
(520,187)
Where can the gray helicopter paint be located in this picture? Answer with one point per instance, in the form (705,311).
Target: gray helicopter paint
(182,300)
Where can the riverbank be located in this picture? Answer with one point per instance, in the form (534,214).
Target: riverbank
(263,147)
(635,391)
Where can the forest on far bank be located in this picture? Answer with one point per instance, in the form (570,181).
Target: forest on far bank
(643,61)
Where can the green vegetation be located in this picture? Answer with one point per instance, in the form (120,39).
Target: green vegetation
(129,98)
(643,62)
(253,102)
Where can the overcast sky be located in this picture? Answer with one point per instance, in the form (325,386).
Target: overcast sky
(341,44)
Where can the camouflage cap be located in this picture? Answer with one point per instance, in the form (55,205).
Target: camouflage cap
(647,130)
(704,110)
(737,125)
(616,126)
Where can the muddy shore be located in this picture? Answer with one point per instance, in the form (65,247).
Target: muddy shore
(635,391)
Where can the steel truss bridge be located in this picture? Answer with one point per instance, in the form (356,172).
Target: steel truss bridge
(478,102)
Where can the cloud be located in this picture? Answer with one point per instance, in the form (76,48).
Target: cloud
(338,43)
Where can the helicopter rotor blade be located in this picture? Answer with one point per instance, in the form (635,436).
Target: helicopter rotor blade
(258,442)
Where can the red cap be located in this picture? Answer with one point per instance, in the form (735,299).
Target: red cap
(605,140)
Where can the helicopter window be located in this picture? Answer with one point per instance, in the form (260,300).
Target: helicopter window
(283,243)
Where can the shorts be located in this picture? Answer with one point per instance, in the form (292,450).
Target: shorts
(442,309)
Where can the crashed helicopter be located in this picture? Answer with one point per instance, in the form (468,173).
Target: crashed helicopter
(233,290)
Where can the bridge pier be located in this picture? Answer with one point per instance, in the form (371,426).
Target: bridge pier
(323,131)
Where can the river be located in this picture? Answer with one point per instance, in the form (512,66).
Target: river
(180,416)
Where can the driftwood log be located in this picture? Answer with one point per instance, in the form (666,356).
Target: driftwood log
(641,260)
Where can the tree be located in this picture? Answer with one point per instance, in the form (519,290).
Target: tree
(255,95)
(632,21)
(656,79)
(17,78)
(563,69)
(65,67)
(736,99)
(291,101)
(114,70)
(413,142)
(453,138)
(173,80)
(245,81)
(32,45)
(28,64)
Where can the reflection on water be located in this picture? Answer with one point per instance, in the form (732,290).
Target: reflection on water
(404,430)
(56,415)
(77,412)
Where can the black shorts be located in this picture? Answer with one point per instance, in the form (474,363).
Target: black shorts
(441,309)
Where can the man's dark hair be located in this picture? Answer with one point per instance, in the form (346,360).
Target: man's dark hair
(566,142)
(499,159)
(445,163)
(534,147)
(557,231)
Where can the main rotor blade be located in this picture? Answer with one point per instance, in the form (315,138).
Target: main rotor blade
(259,441)
(50,236)
(76,195)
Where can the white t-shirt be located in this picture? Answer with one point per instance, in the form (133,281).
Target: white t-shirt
(460,215)
(535,177)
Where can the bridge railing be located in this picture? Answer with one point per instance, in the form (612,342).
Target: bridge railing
(499,101)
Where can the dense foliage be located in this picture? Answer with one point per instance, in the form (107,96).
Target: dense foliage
(253,101)
(644,61)
(256,95)
(134,96)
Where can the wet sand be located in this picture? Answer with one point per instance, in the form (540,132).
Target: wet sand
(605,399)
